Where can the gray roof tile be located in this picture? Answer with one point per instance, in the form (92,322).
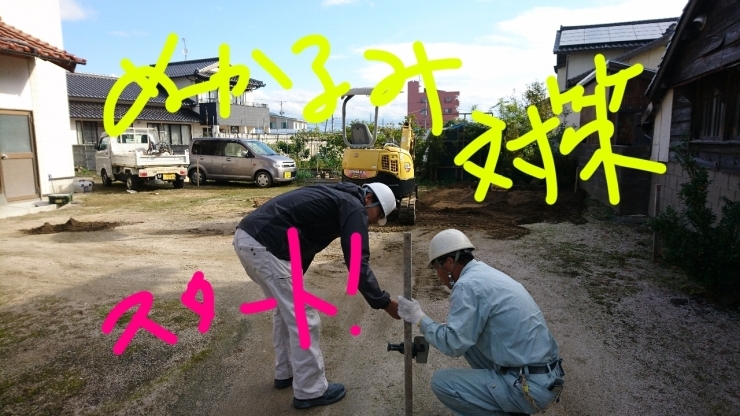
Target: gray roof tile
(196,68)
(94,111)
(610,35)
(81,85)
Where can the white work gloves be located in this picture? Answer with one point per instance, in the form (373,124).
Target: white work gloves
(410,310)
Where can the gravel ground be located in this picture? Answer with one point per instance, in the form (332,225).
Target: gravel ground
(632,342)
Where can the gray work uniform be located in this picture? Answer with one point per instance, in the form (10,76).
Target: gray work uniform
(320,214)
(493,322)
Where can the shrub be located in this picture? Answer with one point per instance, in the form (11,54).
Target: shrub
(709,253)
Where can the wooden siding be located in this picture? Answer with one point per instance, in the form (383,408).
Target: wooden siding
(713,48)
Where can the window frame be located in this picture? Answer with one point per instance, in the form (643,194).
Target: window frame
(715,113)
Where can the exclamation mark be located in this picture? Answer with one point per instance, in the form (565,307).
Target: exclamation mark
(353,273)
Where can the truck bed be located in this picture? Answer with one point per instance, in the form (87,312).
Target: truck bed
(142,160)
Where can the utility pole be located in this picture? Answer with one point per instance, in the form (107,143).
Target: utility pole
(185,49)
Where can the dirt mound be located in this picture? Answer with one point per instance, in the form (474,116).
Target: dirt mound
(73,226)
(501,213)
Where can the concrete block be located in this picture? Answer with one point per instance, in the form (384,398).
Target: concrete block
(733,182)
(727,193)
(711,175)
(713,195)
(721,179)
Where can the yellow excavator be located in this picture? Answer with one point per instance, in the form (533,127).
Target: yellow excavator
(392,165)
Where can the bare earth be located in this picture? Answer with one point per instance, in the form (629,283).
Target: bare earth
(633,343)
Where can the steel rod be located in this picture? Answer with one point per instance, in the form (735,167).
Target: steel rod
(656,211)
(407,330)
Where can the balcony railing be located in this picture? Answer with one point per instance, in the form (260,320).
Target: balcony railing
(233,102)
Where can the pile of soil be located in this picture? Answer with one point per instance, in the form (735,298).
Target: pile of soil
(73,226)
(501,213)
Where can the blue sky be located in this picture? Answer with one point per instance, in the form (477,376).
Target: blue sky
(503,44)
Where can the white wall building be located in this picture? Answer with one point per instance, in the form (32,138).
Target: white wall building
(625,42)
(33,101)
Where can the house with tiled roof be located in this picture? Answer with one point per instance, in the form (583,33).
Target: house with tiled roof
(622,44)
(35,160)
(247,116)
(632,42)
(282,124)
(695,100)
(87,94)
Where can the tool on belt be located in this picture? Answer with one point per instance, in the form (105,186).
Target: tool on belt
(556,386)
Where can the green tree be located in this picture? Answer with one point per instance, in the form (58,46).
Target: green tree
(513,111)
(709,253)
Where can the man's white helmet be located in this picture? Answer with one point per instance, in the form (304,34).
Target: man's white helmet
(386,198)
(446,242)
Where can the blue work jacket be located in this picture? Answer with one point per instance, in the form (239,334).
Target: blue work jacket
(493,321)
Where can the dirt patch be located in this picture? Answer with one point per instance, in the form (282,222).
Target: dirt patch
(619,321)
(501,214)
(73,226)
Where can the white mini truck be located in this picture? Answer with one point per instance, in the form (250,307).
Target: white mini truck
(137,156)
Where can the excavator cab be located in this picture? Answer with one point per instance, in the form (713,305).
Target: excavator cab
(392,165)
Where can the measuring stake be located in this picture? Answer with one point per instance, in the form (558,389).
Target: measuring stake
(407,330)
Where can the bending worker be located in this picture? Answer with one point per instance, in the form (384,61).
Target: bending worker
(320,214)
(496,325)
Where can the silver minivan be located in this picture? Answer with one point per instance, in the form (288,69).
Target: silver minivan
(224,159)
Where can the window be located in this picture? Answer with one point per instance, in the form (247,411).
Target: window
(626,128)
(87,132)
(715,113)
(234,149)
(235,129)
(261,148)
(206,147)
(173,133)
(103,143)
(273,125)
(423,101)
(208,97)
(736,122)
(284,125)
(712,113)
(448,111)
(448,99)
(207,132)
(423,112)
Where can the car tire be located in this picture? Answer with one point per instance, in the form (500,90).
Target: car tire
(131,183)
(197,178)
(107,181)
(263,179)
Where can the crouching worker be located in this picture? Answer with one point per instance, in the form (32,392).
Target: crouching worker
(496,325)
(320,214)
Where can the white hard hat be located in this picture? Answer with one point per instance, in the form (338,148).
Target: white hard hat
(446,242)
(386,198)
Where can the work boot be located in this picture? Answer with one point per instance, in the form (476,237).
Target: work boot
(282,384)
(334,393)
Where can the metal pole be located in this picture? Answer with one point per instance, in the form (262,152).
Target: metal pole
(408,343)
(656,211)
(575,187)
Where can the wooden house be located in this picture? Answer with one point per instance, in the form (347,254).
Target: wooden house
(695,97)
(628,140)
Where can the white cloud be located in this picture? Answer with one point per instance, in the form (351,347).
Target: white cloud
(518,52)
(120,33)
(72,10)
(329,3)
(513,54)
